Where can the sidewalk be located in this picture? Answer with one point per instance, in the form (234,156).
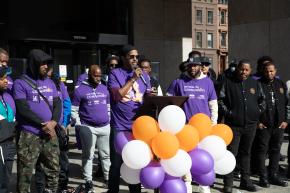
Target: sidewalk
(76,176)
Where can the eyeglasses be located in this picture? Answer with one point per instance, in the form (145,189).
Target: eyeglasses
(113,65)
(133,57)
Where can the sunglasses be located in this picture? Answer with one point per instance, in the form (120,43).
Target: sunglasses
(133,57)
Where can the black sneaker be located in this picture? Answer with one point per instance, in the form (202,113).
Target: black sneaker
(278,181)
(249,186)
(89,187)
(227,189)
(264,182)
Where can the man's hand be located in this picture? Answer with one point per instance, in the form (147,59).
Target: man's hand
(49,128)
(137,73)
(283,125)
(261,126)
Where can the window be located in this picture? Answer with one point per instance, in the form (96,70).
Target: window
(210,17)
(223,2)
(223,17)
(223,38)
(198,40)
(209,1)
(210,40)
(198,16)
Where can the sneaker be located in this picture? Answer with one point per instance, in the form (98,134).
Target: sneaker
(204,189)
(278,181)
(188,187)
(105,184)
(228,189)
(248,185)
(89,187)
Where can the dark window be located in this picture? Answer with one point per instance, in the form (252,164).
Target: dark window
(198,16)
(210,17)
(223,38)
(223,17)
(223,2)
(198,40)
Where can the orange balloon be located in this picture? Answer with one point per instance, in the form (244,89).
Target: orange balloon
(188,138)
(165,145)
(145,128)
(224,132)
(202,123)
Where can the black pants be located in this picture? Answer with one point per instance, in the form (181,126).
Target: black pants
(114,174)
(63,174)
(8,152)
(269,140)
(242,143)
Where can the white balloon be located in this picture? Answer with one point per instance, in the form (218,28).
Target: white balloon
(172,119)
(177,166)
(129,175)
(136,154)
(226,164)
(214,145)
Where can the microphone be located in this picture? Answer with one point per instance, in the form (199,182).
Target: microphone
(141,76)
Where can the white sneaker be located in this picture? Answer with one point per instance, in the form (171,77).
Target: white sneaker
(188,187)
(204,189)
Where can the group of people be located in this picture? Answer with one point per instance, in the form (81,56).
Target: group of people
(256,107)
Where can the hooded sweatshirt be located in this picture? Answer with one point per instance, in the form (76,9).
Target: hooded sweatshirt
(32,110)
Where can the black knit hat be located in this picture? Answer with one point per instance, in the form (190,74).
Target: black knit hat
(126,49)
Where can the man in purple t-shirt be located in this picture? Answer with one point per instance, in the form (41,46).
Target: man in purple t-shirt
(127,86)
(37,120)
(91,104)
(199,88)
(202,98)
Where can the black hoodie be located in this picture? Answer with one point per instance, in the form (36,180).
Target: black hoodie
(35,59)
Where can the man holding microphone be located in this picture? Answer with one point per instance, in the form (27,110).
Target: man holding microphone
(127,86)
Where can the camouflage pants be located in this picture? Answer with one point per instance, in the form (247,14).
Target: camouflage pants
(30,149)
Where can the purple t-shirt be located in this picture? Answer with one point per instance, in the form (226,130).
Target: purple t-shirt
(93,104)
(124,110)
(200,92)
(21,90)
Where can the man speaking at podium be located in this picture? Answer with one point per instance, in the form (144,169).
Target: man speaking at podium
(127,85)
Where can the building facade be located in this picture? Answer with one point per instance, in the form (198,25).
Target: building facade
(210,31)
(258,28)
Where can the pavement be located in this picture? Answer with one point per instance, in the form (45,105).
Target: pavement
(75,176)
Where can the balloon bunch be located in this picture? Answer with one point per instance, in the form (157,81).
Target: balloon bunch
(158,154)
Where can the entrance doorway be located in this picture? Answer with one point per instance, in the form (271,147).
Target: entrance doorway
(75,58)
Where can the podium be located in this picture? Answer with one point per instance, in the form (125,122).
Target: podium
(154,104)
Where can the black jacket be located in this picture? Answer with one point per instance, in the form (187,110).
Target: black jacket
(282,104)
(241,102)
